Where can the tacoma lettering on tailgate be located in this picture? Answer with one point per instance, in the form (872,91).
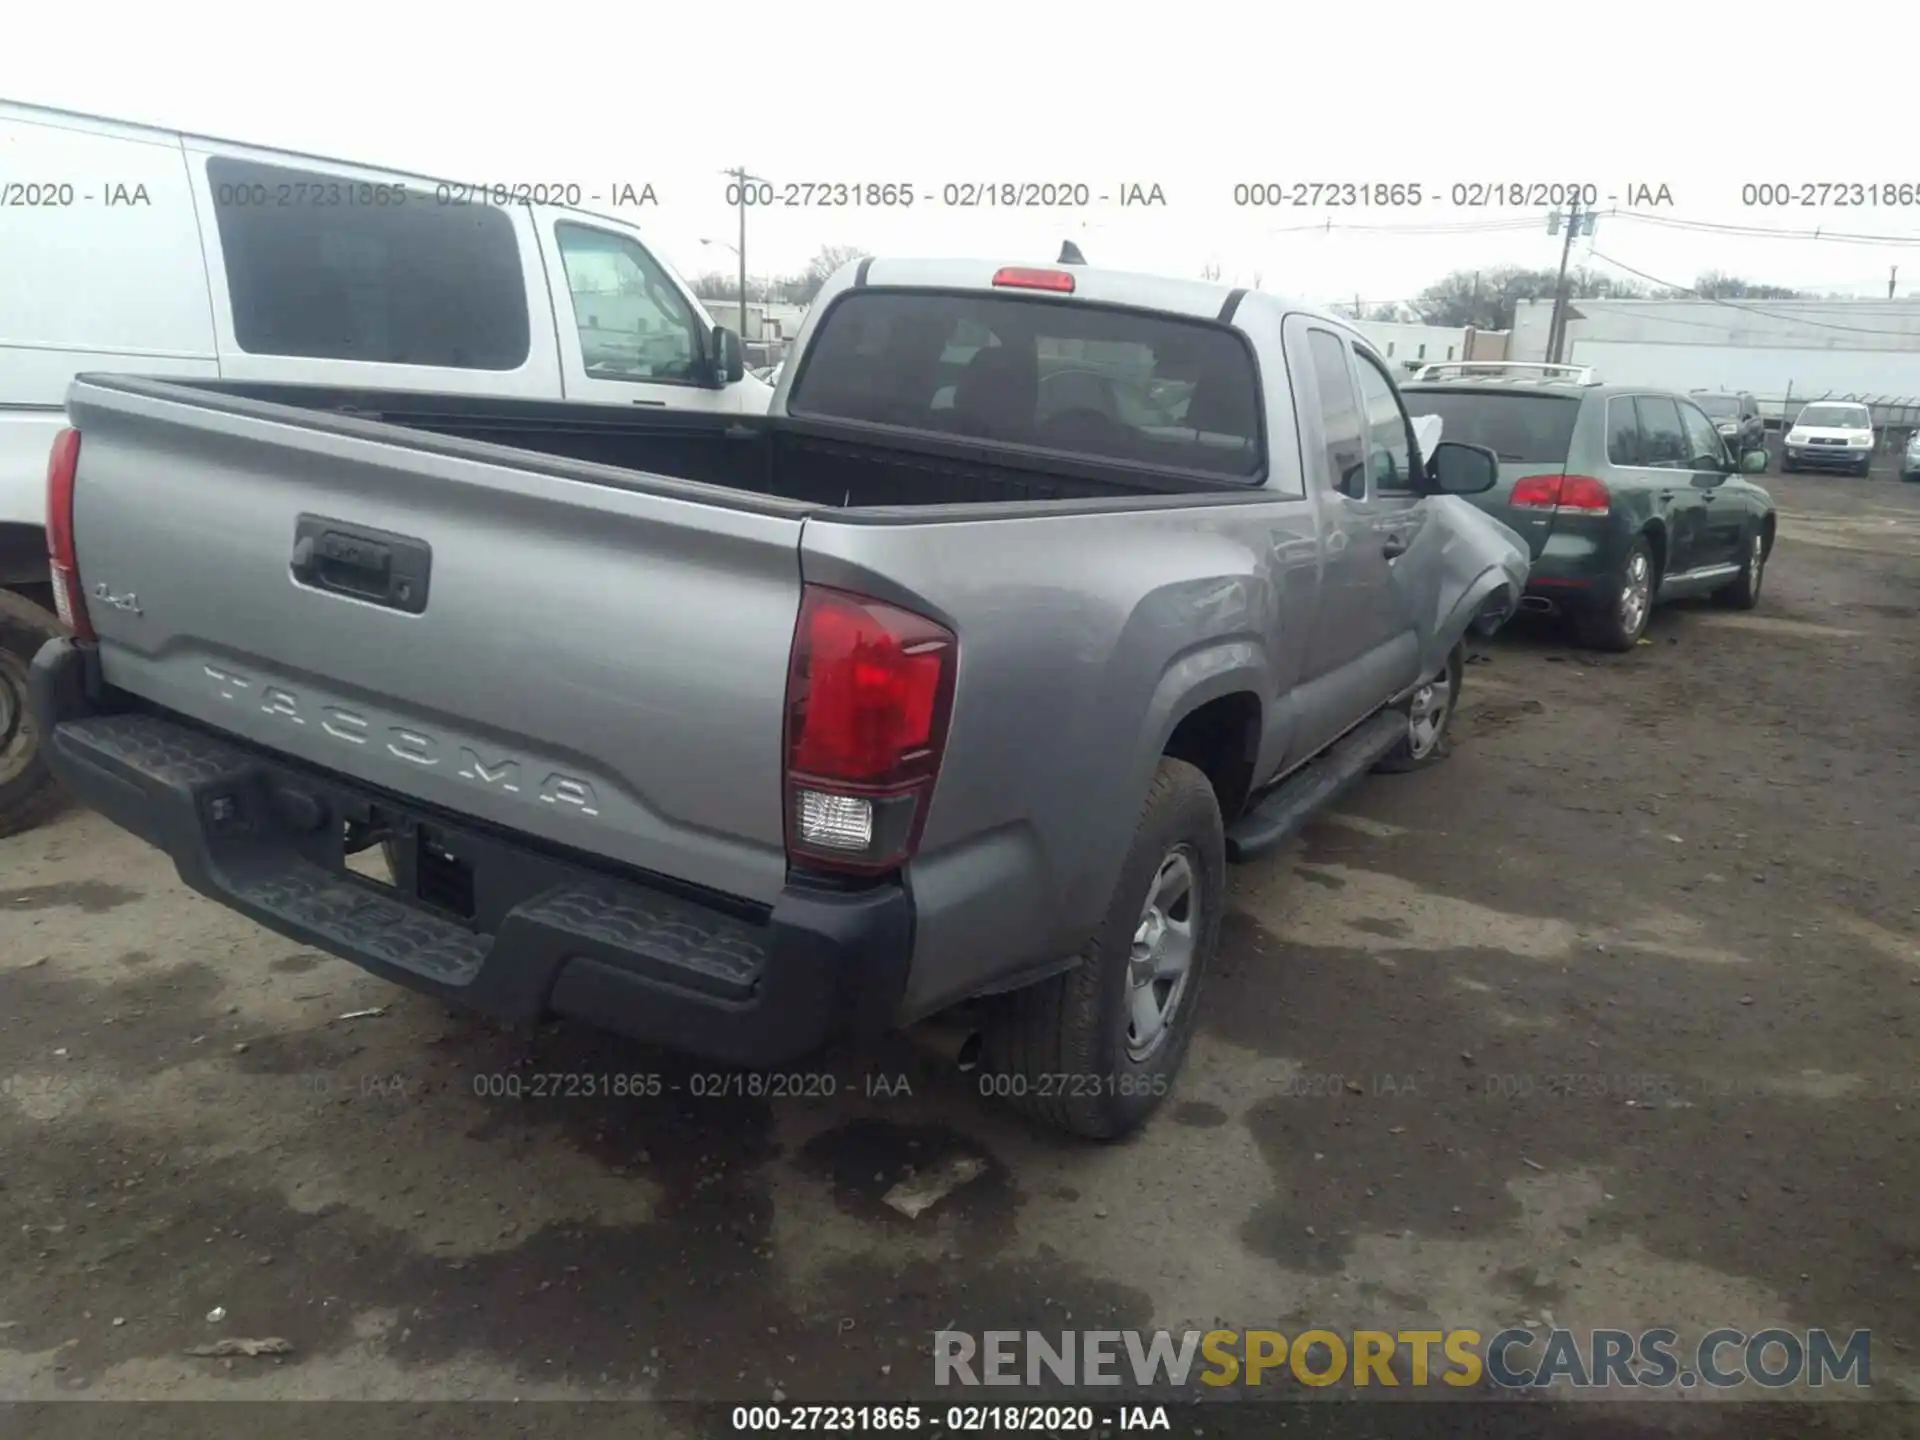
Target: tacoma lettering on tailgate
(500,773)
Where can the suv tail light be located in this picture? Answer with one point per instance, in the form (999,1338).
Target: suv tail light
(63,465)
(1562,494)
(869,694)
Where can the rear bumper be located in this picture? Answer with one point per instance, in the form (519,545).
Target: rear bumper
(540,935)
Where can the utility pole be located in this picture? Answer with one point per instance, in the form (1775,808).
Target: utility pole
(1556,327)
(1892,275)
(741,179)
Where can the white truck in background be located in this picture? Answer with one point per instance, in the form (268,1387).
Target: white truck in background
(147,251)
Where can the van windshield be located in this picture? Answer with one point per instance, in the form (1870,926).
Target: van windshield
(1105,384)
(1720,407)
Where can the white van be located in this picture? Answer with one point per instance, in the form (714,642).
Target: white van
(144,251)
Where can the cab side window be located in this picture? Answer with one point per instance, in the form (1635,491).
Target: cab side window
(633,323)
(1341,422)
(1390,449)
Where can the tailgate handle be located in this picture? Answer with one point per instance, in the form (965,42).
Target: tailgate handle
(376,566)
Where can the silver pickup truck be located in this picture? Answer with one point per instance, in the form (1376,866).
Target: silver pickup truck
(954,681)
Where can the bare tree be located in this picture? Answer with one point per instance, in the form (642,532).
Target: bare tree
(1210,270)
(1714,285)
(800,289)
(1486,299)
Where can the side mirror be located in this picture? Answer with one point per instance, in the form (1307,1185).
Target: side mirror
(1457,468)
(1754,462)
(729,357)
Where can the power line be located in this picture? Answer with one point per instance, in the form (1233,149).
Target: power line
(1748,309)
(1639,217)
(1770,232)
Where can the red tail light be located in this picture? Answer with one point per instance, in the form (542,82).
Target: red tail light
(1563,494)
(869,692)
(1585,494)
(63,465)
(1019,277)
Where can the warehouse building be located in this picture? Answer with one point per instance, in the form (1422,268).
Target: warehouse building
(1784,352)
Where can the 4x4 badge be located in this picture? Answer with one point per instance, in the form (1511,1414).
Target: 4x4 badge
(128,602)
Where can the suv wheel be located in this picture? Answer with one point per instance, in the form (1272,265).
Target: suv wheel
(1744,593)
(1429,716)
(1621,607)
(1095,1050)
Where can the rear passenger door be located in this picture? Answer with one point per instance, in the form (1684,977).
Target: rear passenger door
(1665,471)
(1362,647)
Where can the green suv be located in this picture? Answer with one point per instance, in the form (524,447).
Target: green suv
(1627,496)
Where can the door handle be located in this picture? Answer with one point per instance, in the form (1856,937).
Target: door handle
(1393,547)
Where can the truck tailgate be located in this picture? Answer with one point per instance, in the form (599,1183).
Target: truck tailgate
(598,666)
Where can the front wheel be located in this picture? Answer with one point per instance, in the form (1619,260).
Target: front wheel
(1095,1050)
(1744,593)
(1621,607)
(28,792)
(1429,712)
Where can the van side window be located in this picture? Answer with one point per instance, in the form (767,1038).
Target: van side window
(329,269)
(633,323)
(1389,435)
(1340,419)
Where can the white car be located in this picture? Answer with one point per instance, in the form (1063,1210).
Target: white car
(1830,435)
(1910,466)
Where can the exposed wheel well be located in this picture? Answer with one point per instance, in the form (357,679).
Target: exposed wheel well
(1767,530)
(1221,739)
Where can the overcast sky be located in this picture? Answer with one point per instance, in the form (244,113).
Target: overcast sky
(1194,97)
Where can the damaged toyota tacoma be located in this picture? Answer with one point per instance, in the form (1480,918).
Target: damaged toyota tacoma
(956,680)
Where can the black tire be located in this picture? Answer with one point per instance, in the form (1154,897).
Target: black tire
(1059,1050)
(1417,751)
(29,795)
(1787,467)
(1744,593)
(1605,623)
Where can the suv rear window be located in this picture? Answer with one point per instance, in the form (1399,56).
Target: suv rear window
(1519,428)
(1103,383)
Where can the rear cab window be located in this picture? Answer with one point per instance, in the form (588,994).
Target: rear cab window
(1096,382)
(1521,428)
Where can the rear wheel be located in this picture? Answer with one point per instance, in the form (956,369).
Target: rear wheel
(28,792)
(1620,610)
(1095,1050)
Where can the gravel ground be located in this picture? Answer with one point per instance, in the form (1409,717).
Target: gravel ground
(1611,1019)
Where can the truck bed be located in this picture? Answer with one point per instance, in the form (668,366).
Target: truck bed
(817,465)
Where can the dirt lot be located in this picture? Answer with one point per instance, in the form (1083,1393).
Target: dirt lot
(1609,1021)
